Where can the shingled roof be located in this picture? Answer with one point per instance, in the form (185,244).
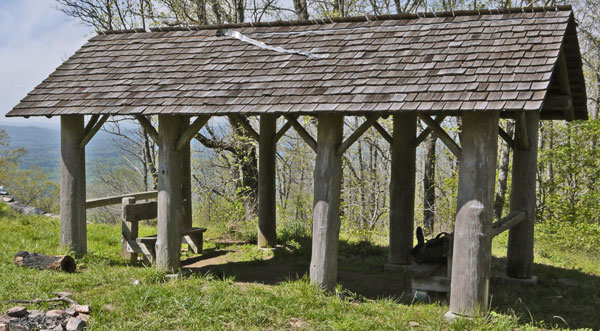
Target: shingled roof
(443,63)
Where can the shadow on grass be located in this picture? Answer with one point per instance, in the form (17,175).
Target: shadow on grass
(562,297)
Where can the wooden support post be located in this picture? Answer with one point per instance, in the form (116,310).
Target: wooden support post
(72,185)
(170,181)
(471,262)
(402,188)
(326,204)
(522,198)
(267,147)
(186,174)
(129,230)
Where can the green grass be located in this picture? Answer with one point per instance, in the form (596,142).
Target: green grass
(205,301)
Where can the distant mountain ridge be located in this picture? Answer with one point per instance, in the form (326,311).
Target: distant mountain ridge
(43,147)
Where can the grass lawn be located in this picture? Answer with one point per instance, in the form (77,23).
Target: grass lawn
(250,289)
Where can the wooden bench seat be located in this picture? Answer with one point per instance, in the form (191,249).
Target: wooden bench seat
(132,213)
(192,236)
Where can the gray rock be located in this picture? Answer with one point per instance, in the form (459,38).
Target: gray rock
(75,323)
(8,199)
(32,211)
(82,308)
(3,192)
(17,312)
(84,317)
(3,327)
(55,313)
(59,328)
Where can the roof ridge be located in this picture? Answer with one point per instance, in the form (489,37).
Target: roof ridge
(350,19)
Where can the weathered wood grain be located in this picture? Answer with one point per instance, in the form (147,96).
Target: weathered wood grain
(45,262)
(267,148)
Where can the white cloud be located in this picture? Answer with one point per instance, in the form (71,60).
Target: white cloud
(35,38)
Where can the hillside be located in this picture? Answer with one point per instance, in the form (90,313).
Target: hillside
(43,147)
(236,286)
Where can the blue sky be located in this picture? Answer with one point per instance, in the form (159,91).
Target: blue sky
(35,38)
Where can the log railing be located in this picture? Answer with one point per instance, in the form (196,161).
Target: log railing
(101,202)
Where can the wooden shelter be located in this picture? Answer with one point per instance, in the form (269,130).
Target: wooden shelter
(483,65)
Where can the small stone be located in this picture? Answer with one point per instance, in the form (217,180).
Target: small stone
(70,312)
(55,313)
(84,317)
(59,328)
(7,319)
(75,323)
(17,327)
(17,312)
(413,324)
(85,309)
(3,327)
(3,192)
(8,199)
(63,294)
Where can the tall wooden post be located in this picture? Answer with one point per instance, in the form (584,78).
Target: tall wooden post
(522,198)
(72,184)
(326,212)
(186,179)
(267,147)
(402,189)
(129,230)
(170,189)
(471,262)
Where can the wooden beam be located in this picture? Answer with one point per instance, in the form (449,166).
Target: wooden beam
(506,137)
(246,125)
(90,124)
(356,134)
(446,139)
(438,119)
(519,261)
(148,127)
(326,211)
(310,141)
(267,149)
(191,131)
(170,180)
(521,136)
(101,202)
(90,134)
(129,229)
(73,226)
(472,253)
(402,188)
(508,222)
(562,72)
(186,174)
(383,132)
(282,131)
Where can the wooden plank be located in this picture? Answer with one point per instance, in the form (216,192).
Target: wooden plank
(148,127)
(519,262)
(432,283)
(89,135)
(383,132)
(421,137)
(506,137)
(283,130)
(186,178)
(101,202)
(170,213)
(191,131)
(508,222)
(326,211)
(357,134)
(247,126)
(90,124)
(562,73)
(446,139)
(310,141)
(267,149)
(521,135)
(402,188)
(140,211)
(129,229)
(73,225)
(471,260)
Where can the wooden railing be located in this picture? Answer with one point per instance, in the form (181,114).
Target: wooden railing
(101,202)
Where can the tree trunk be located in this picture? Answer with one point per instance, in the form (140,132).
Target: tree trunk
(38,261)
(429,183)
(301,9)
(503,174)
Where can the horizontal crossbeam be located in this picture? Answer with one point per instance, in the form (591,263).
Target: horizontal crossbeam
(508,222)
(114,200)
